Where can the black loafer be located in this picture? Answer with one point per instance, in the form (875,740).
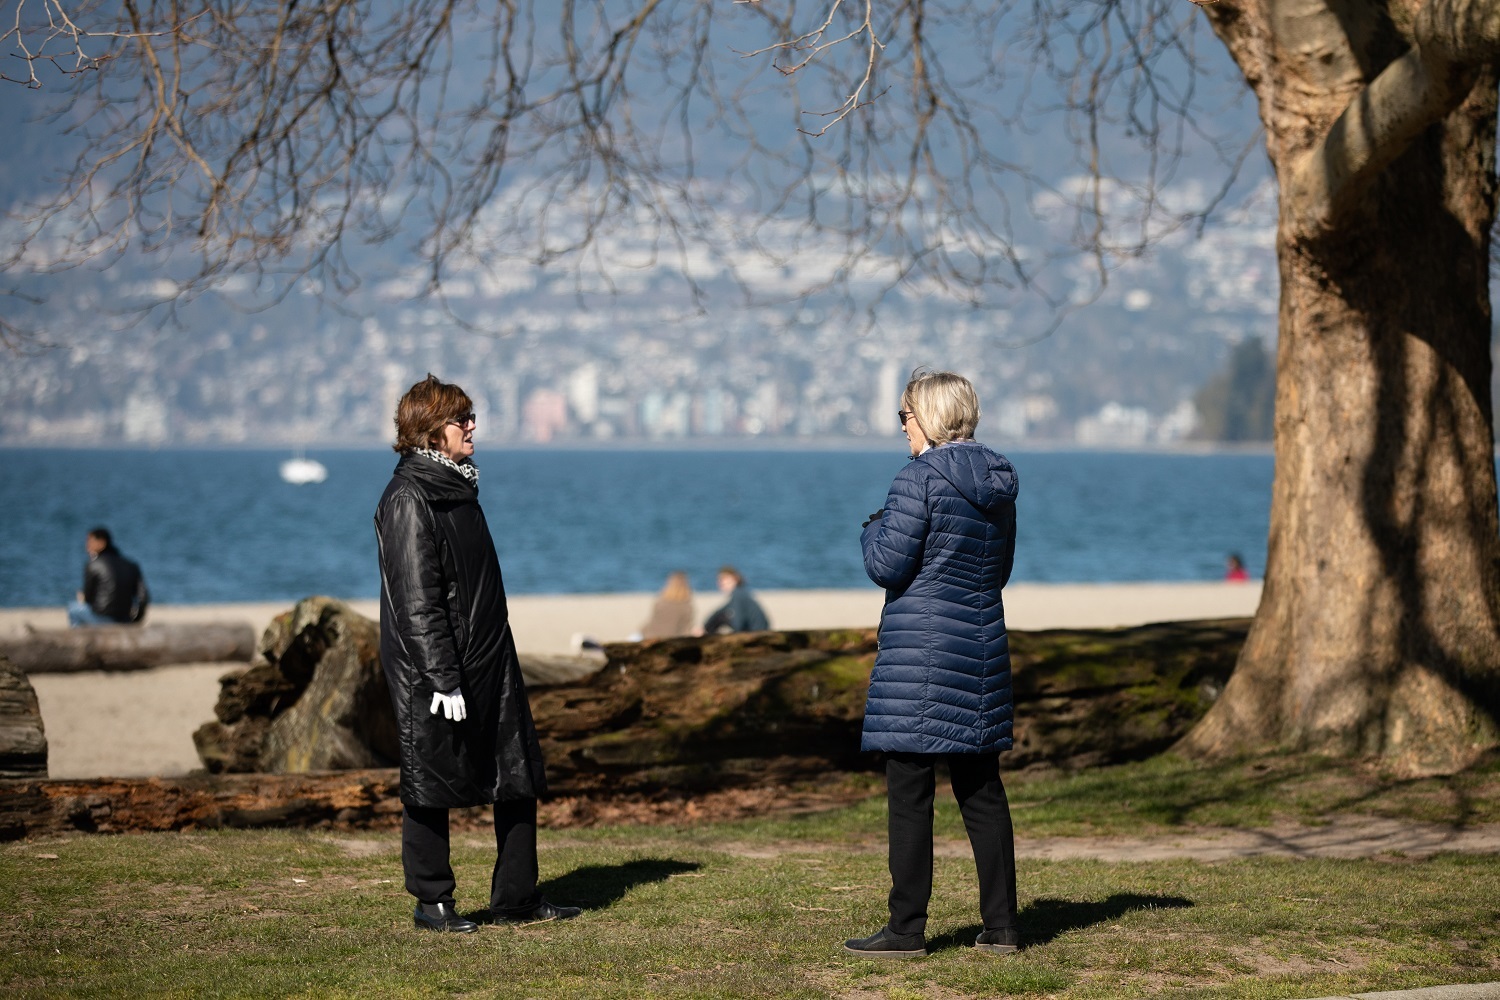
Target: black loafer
(1004,942)
(541,911)
(885,944)
(442,917)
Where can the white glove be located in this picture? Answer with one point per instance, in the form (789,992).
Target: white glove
(451,703)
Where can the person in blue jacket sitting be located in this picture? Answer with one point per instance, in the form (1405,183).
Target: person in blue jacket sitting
(940,692)
(741,613)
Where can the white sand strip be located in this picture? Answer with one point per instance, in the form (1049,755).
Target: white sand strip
(546,623)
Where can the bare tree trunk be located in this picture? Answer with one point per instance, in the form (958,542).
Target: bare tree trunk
(1379,627)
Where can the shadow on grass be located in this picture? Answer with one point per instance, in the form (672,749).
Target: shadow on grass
(597,886)
(1173,790)
(1044,920)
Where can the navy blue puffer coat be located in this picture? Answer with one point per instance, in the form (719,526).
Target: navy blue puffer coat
(942,550)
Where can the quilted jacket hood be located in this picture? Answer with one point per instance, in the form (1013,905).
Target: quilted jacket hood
(984,478)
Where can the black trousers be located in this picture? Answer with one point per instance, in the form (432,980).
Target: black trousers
(910,782)
(429,872)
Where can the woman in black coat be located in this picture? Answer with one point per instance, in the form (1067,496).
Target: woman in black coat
(465,726)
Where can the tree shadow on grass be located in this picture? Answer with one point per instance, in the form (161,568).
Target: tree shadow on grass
(1044,920)
(596,886)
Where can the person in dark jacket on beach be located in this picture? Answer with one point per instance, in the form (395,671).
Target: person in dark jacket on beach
(741,613)
(465,726)
(940,691)
(114,589)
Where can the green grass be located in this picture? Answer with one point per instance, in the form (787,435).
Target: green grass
(759,908)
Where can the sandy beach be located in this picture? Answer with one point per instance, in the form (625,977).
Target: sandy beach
(142,723)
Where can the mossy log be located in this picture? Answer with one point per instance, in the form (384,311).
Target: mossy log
(779,706)
(128,647)
(1086,697)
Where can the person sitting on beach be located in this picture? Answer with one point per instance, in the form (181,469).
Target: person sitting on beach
(1234,569)
(672,614)
(114,589)
(465,727)
(742,613)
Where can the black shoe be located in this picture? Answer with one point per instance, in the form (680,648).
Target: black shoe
(885,944)
(442,917)
(1005,942)
(541,911)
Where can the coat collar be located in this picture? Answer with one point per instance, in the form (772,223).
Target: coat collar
(436,480)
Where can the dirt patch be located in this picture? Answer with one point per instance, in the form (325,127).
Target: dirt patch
(724,805)
(356,847)
(1342,837)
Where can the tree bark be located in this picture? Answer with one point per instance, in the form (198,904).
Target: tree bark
(23,738)
(1378,631)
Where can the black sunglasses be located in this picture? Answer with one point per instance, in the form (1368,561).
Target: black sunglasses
(903,416)
(464,419)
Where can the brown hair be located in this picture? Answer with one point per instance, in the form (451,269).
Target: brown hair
(677,587)
(425,408)
(944,404)
(731,571)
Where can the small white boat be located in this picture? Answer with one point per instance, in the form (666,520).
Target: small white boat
(300,469)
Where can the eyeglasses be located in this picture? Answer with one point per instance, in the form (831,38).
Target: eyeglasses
(464,420)
(903,416)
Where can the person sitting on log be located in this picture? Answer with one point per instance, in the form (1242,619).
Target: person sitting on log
(114,589)
(466,732)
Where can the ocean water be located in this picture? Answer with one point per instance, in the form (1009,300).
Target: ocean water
(210,526)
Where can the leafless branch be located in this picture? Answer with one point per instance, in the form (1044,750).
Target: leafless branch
(273,141)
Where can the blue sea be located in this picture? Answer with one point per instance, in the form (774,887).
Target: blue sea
(213,526)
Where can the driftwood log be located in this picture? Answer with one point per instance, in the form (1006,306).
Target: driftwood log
(698,715)
(23,739)
(199,801)
(770,707)
(314,697)
(128,647)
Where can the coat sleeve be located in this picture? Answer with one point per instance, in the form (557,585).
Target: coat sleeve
(893,542)
(142,599)
(412,570)
(719,619)
(90,582)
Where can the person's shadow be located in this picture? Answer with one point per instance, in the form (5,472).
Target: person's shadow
(1044,920)
(594,887)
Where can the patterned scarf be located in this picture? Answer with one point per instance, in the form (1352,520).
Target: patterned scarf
(468,470)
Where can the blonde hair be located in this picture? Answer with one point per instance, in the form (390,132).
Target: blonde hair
(943,404)
(677,587)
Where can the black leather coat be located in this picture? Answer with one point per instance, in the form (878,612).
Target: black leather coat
(444,625)
(114,587)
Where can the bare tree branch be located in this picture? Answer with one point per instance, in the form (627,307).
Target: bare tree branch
(272,141)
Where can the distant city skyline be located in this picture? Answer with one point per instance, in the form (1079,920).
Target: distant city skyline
(644,363)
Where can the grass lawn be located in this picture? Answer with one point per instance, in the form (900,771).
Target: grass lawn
(758,908)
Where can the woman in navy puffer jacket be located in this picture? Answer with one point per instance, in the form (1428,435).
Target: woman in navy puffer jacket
(942,547)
